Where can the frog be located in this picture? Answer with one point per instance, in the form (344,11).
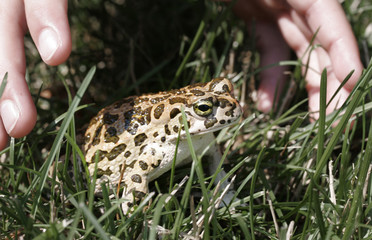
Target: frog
(135,140)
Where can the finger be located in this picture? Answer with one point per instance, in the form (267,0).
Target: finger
(271,52)
(3,136)
(335,35)
(319,59)
(299,43)
(49,28)
(18,114)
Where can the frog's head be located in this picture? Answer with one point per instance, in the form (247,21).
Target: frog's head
(215,109)
(209,107)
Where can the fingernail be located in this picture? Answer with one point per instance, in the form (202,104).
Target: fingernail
(48,43)
(9,114)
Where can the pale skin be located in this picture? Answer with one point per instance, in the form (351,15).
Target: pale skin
(280,25)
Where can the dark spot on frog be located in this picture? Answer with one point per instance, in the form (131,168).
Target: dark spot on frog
(110,135)
(200,85)
(155,134)
(136,178)
(159,111)
(222,121)
(176,91)
(128,118)
(175,129)
(131,165)
(223,102)
(143,165)
(177,100)
(163,139)
(87,138)
(197,92)
(101,172)
(147,114)
(110,119)
(139,139)
(174,112)
(166,129)
(157,164)
(229,113)
(101,156)
(156,100)
(97,133)
(225,88)
(208,123)
(116,151)
(140,100)
(127,154)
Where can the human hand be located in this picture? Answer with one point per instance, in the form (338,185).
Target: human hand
(48,25)
(293,23)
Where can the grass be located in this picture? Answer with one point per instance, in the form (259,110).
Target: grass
(295,179)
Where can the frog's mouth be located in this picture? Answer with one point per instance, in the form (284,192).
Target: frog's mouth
(211,125)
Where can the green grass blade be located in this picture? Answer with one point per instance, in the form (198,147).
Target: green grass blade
(195,167)
(223,57)
(322,114)
(157,215)
(194,43)
(93,220)
(58,140)
(356,204)
(359,92)
(3,84)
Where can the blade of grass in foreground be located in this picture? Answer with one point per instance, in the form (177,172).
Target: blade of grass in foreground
(357,198)
(57,142)
(198,170)
(3,84)
(359,92)
(321,132)
(322,113)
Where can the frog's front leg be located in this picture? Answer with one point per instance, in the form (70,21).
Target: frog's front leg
(138,175)
(135,189)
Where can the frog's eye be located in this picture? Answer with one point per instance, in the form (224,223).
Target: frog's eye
(203,108)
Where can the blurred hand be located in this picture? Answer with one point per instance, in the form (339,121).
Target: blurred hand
(46,20)
(293,23)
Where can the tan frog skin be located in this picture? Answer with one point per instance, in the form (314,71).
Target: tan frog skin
(136,137)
